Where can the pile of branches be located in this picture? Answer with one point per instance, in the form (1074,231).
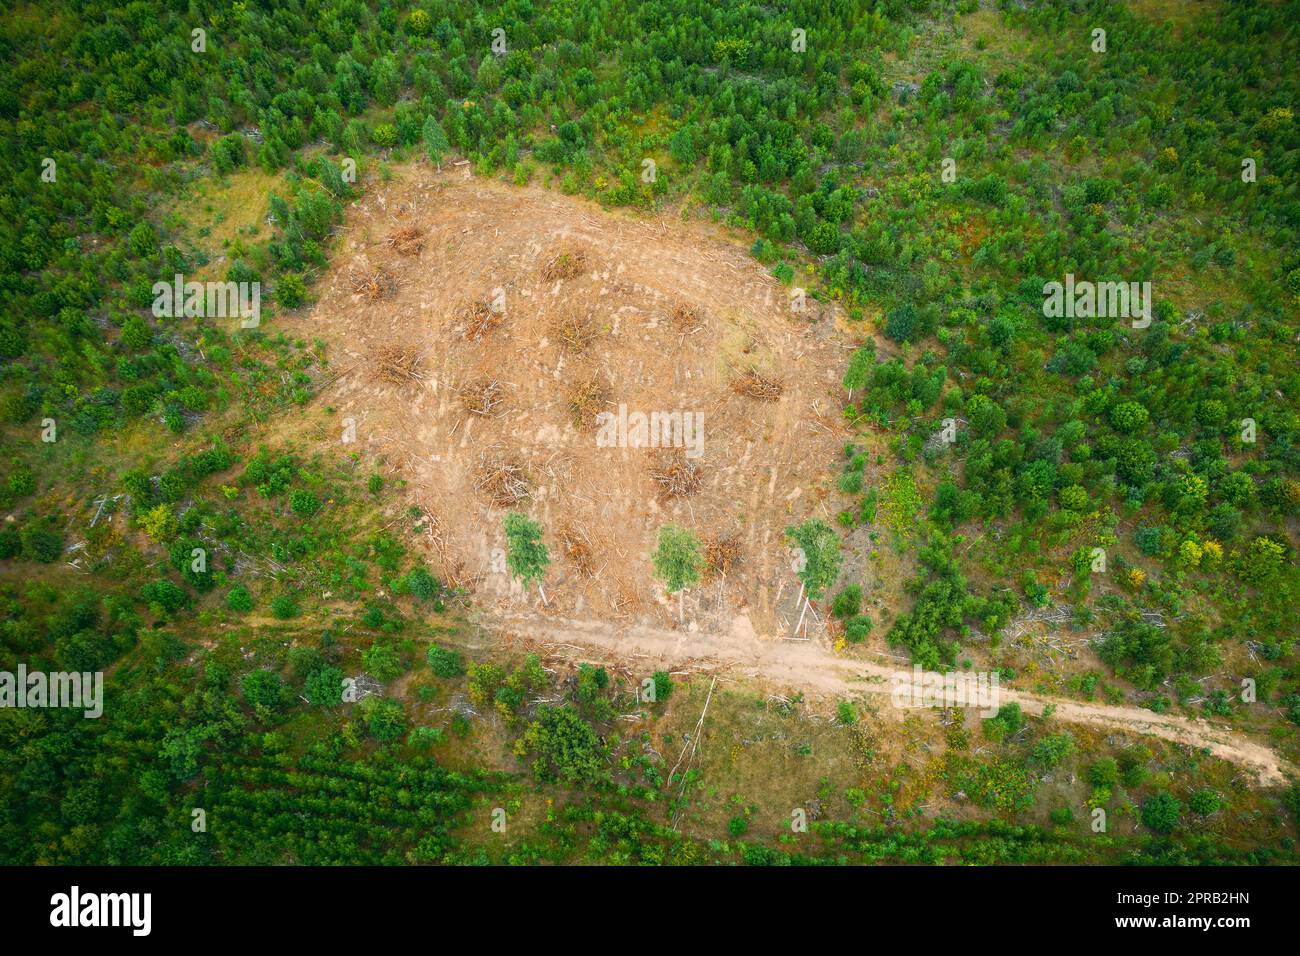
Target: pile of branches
(676,477)
(407,241)
(586,398)
(752,384)
(479,318)
(397,365)
(576,547)
(626,599)
(721,554)
(481,397)
(373,284)
(565,264)
(503,481)
(686,318)
(574,330)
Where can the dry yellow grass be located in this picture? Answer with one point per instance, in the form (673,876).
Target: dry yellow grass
(226,210)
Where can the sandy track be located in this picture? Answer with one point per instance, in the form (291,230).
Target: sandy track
(819,672)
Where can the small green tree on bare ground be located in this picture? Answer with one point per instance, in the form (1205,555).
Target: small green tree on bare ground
(526,555)
(818,547)
(678,562)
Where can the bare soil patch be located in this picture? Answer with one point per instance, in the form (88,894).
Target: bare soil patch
(532,313)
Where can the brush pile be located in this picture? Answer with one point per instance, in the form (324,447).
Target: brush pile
(503,481)
(576,547)
(482,396)
(479,320)
(565,264)
(574,330)
(397,365)
(585,400)
(751,384)
(721,554)
(686,318)
(371,284)
(407,241)
(677,477)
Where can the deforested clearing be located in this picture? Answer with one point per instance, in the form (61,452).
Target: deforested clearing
(579,333)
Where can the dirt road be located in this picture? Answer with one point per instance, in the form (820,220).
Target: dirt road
(820,672)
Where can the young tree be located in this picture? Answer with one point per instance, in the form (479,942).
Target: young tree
(678,561)
(435,141)
(526,556)
(818,564)
(858,374)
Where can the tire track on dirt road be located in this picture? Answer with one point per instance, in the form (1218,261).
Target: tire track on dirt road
(820,672)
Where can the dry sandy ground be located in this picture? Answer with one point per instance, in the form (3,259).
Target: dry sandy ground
(613,320)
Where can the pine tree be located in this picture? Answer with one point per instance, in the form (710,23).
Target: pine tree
(819,562)
(526,555)
(435,141)
(678,561)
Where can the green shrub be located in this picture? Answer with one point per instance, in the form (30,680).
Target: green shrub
(165,595)
(1129,417)
(564,747)
(1006,723)
(1161,813)
(21,482)
(1051,750)
(290,290)
(422,584)
(41,542)
(136,333)
(239,599)
(445,663)
(850,482)
(284,607)
(228,153)
(1205,802)
(382,661)
(324,687)
(304,503)
(1104,773)
(901,324)
(425,737)
(857,628)
(262,688)
(1073,497)
(384,718)
(190,557)
(11,542)
(143,241)
(848,602)
(419,23)
(209,462)
(663,686)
